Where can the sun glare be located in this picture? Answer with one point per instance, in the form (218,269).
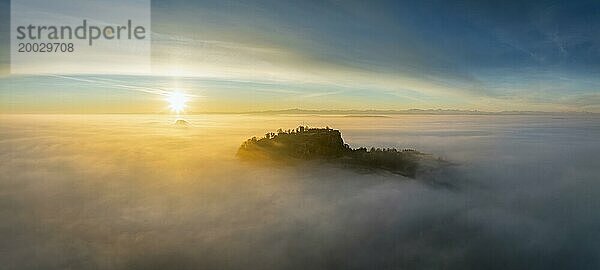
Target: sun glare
(177,102)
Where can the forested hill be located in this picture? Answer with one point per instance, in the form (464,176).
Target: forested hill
(305,143)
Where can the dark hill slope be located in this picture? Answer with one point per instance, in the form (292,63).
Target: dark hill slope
(327,144)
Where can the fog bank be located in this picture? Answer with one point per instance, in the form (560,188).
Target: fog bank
(137,192)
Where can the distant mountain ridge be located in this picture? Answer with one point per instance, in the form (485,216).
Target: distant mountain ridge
(408,111)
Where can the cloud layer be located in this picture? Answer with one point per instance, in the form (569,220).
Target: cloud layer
(136,192)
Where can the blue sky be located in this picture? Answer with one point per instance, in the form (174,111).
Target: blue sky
(255,55)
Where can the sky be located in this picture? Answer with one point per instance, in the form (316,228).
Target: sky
(234,56)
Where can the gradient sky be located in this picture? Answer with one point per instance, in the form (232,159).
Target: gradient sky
(261,55)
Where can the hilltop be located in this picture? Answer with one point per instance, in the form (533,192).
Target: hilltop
(305,143)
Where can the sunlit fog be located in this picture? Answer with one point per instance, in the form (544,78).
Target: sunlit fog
(139,192)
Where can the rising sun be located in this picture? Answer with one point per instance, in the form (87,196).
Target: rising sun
(177,101)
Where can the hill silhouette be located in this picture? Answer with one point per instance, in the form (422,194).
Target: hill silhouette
(305,143)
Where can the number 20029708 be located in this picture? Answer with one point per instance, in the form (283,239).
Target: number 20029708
(45,47)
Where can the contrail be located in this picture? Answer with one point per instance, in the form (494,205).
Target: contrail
(122,85)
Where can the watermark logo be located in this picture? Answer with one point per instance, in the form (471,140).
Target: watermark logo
(80,37)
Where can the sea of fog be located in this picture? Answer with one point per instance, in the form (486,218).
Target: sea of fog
(138,192)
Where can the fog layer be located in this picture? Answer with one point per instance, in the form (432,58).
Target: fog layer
(138,192)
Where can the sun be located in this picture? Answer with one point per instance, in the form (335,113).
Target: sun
(177,102)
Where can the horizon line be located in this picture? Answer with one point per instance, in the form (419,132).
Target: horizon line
(335,111)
